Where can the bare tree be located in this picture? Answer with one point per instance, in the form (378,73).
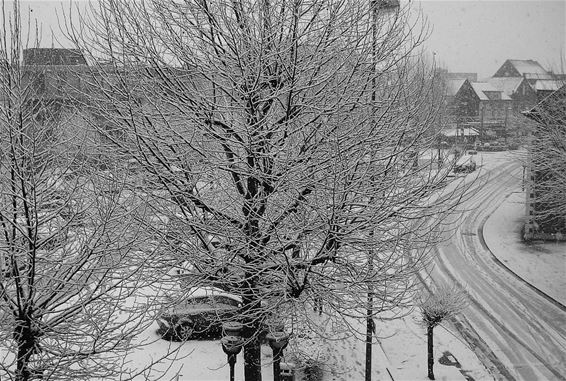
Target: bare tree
(547,165)
(442,304)
(282,144)
(72,278)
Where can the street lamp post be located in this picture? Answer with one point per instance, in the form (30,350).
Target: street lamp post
(232,328)
(277,341)
(232,343)
(379,10)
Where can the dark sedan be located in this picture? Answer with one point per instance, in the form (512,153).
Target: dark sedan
(199,316)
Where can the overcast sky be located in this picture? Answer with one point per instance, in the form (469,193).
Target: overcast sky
(470,36)
(478,36)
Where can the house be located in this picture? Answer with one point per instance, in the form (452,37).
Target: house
(543,82)
(462,101)
(494,104)
(479,100)
(546,170)
(523,95)
(479,106)
(54,73)
(544,86)
(518,68)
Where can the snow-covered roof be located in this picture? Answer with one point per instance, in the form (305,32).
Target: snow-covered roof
(528,66)
(453,85)
(547,85)
(532,76)
(506,84)
(482,87)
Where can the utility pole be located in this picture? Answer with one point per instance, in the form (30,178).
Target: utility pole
(377,9)
(369,317)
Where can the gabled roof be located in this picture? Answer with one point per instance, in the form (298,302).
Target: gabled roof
(527,66)
(506,84)
(481,88)
(453,86)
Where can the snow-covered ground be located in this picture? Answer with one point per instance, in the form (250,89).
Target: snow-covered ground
(401,355)
(406,351)
(543,264)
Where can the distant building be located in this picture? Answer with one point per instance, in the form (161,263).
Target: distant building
(477,106)
(54,73)
(53,56)
(461,99)
(477,100)
(543,82)
(518,68)
(518,89)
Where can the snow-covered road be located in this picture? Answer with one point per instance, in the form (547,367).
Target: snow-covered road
(517,331)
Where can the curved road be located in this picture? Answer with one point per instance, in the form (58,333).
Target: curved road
(518,332)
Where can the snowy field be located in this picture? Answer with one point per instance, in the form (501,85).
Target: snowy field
(401,356)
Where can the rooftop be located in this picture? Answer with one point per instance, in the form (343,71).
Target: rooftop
(538,76)
(453,85)
(528,66)
(482,88)
(547,85)
(506,84)
(53,56)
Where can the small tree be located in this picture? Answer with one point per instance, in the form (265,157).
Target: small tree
(71,271)
(441,304)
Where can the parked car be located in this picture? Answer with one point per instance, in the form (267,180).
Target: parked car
(200,315)
(465,168)
(466,163)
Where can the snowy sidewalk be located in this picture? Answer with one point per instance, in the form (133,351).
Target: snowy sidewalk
(406,352)
(542,264)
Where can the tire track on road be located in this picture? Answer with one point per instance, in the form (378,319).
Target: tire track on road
(487,195)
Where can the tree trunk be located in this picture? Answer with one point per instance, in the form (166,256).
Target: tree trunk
(22,370)
(430,353)
(252,357)
(369,331)
(252,347)
(25,340)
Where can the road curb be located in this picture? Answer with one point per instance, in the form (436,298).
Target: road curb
(503,265)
